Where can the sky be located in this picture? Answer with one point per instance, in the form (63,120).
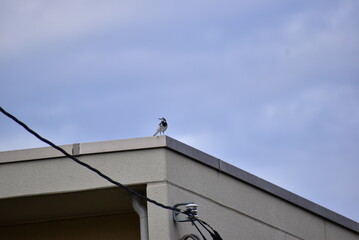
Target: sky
(270,87)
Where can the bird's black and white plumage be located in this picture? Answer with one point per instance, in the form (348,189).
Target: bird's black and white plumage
(162,127)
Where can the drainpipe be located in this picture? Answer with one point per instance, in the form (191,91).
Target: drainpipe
(142,213)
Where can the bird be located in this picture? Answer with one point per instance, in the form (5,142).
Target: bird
(162,126)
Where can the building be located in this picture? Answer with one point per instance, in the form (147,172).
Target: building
(44,195)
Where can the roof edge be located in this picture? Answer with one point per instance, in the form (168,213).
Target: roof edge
(33,154)
(261,184)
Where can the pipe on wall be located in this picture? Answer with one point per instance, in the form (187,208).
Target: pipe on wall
(141,210)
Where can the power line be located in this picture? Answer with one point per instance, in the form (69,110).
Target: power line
(85,164)
(204,238)
(188,236)
(214,235)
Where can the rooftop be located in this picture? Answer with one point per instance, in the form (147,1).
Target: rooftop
(181,148)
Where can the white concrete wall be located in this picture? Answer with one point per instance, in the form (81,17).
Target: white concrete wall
(235,209)
(57,175)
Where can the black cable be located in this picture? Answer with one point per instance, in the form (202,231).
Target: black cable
(130,190)
(192,236)
(204,238)
(214,235)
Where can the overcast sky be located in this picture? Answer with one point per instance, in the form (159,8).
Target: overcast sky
(268,86)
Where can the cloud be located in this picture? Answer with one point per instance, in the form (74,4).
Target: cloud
(18,141)
(201,140)
(330,107)
(35,24)
(20,138)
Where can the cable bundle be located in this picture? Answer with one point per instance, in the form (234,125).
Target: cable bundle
(190,236)
(214,234)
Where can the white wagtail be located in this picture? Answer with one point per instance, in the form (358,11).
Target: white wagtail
(162,127)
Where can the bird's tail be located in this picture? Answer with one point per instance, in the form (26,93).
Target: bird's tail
(156,133)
